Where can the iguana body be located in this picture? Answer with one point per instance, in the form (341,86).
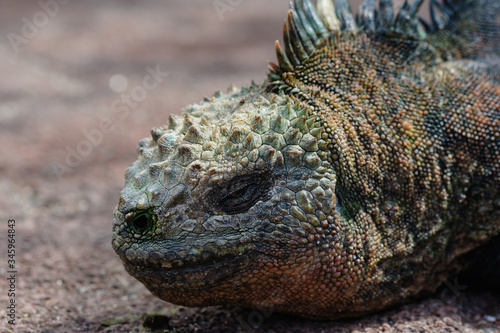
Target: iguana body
(357,177)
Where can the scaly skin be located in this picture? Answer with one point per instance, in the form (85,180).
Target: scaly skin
(347,183)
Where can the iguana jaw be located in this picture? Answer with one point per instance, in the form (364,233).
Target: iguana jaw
(200,276)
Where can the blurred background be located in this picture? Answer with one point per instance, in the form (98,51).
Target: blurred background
(81,82)
(59,63)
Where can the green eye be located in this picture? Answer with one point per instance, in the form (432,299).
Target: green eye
(143,222)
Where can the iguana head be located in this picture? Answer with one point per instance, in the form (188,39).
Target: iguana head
(227,199)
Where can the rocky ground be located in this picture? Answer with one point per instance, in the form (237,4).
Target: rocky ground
(66,67)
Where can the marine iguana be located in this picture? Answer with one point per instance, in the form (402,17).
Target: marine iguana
(359,175)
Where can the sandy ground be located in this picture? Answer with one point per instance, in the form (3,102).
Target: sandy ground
(63,152)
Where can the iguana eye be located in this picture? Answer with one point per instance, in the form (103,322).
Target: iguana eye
(242,193)
(141,222)
(240,200)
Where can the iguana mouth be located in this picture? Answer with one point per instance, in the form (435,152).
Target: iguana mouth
(190,276)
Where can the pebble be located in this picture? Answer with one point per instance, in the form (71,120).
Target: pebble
(490,318)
